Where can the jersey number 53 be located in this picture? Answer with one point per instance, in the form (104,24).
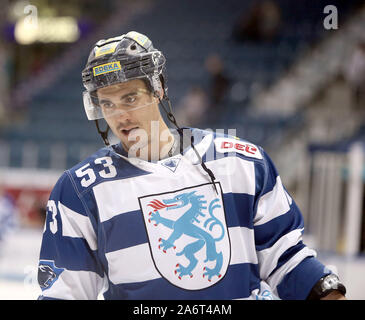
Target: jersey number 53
(88,175)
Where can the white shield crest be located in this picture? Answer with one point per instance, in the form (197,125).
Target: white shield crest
(188,235)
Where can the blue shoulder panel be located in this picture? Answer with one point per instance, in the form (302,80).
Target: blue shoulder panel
(103,165)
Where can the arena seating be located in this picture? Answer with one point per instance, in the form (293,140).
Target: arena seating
(187,32)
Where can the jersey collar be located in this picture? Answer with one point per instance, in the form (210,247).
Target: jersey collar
(187,156)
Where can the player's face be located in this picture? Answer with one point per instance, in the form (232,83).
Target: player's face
(129,108)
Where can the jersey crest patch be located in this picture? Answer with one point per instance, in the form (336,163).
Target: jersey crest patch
(171,164)
(188,235)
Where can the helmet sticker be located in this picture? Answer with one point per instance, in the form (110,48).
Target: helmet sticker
(138,37)
(106,68)
(105,49)
(104,41)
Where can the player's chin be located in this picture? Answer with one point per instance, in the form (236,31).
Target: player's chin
(131,141)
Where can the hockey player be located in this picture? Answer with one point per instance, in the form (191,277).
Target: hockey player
(164,213)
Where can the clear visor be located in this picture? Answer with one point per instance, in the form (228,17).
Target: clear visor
(108,106)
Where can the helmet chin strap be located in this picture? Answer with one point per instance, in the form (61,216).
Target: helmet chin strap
(104,134)
(172,119)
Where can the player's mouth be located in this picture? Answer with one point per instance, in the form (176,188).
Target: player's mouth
(126,132)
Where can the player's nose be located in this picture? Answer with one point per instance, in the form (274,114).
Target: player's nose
(123,117)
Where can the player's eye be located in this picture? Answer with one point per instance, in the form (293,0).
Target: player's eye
(131,99)
(106,104)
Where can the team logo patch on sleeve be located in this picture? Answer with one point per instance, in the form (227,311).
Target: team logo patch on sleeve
(232,145)
(48,273)
(188,235)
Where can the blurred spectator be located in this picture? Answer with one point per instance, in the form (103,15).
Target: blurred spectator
(354,74)
(219,82)
(38,60)
(32,208)
(4,82)
(40,212)
(261,23)
(193,107)
(7,213)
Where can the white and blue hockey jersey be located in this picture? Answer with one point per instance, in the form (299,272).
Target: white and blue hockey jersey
(133,229)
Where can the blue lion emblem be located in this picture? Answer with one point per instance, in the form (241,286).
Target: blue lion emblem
(188,224)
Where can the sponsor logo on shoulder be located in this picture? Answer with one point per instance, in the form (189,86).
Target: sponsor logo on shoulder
(232,145)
